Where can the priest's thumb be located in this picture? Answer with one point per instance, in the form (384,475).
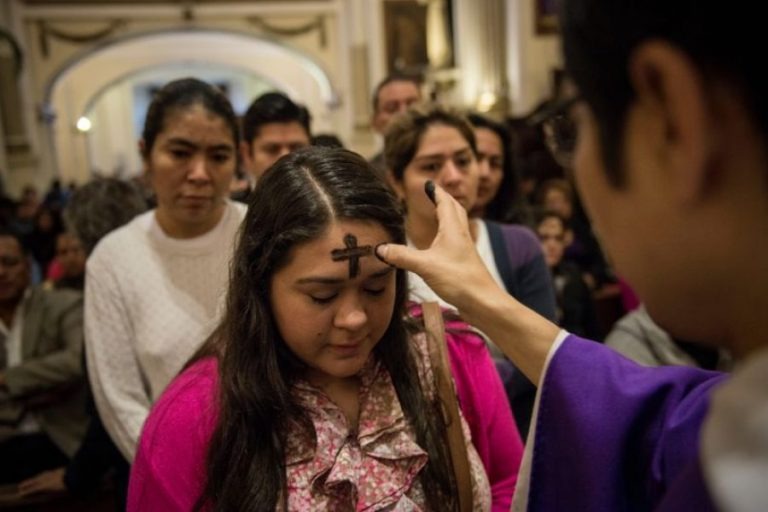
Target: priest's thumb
(400,256)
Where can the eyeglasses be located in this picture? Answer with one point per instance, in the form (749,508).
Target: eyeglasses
(560,132)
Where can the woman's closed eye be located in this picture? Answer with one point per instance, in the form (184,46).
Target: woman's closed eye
(375,291)
(323,298)
(327,298)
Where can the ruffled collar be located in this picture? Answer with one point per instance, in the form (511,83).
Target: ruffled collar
(373,468)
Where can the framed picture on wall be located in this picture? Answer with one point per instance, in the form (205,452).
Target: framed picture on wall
(546,16)
(406,25)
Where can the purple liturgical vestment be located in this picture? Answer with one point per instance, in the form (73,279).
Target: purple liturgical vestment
(611,435)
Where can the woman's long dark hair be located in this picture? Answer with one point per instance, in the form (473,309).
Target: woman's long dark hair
(294,203)
(508,204)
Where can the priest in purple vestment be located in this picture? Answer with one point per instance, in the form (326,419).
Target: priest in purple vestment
(665,122)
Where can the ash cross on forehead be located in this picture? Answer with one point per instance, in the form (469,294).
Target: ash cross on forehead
(353,253)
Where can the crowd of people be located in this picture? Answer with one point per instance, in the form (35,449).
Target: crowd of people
(255,336)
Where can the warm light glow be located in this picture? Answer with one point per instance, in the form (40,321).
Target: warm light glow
(83,124)
(486,101)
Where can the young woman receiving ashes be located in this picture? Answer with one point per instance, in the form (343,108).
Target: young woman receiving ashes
(315,392)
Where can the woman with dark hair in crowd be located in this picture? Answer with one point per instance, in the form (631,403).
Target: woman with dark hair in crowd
(499,197)
(154,286)
(42,239)
(575,306)
(434,143)
(315,392)
(582,248)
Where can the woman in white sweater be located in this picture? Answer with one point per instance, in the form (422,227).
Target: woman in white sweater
(153,286)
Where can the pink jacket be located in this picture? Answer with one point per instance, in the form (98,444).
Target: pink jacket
(169,469)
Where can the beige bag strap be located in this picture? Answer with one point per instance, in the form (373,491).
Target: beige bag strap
(438,354)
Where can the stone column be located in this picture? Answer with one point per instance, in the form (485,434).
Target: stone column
(479,32)
(20,156)
(14,135)
(531,57)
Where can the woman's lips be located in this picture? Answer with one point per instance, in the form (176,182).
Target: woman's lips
(195,200)
(348,348)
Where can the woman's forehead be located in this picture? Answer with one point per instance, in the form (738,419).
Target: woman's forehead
(441,140)
(351,236)
(194,118)
(350,243)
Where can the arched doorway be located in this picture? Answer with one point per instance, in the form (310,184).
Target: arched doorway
(243,60)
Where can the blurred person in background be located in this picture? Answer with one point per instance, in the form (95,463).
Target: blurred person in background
(499,197)
(94,210)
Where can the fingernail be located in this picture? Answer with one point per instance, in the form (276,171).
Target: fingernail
(381,252)
(429,188)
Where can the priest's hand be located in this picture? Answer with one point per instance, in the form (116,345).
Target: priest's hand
(451,266)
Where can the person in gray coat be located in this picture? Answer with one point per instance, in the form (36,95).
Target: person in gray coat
(42,388)
(639,338)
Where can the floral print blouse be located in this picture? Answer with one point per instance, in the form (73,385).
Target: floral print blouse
(374,468)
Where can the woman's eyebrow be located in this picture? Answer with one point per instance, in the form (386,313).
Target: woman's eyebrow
(180,141)
(440,156)
(381,273)
(320,280)
(338,280)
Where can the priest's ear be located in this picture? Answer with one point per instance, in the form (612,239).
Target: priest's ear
(674,100)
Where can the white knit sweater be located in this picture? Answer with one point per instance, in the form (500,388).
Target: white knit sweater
(150,302)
